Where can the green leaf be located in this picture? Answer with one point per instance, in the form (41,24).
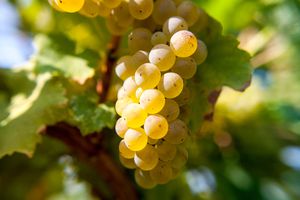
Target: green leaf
(28,115)
(57,55)
(226,65)
(89,116)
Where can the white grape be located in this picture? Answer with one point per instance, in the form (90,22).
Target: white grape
(183,43)
(162,56)
(185,67)
(171,85)
(147,76)
(135,139)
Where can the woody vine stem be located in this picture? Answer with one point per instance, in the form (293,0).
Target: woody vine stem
(88,148)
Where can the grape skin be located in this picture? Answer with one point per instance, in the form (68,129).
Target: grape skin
(171,110)
(121,127)
(162,56)
(177,132)
(140,9)
(128,163)
(201,52)
(139,39)
(162,173)
(166,151)
(156,126)
(69,5)
(171,85)
(121,105)
(173,25)
(147,76)
(135,139)
(124,67)
(129,87)
(185,67)
(135,115)
(111,3)
(184,97)
(143,179)
(189,11)
(158,38)
(183,43)
(147,158)
(152,100)
(163,9)
(125,151)
(122,15)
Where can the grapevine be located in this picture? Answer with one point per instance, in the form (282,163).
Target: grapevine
(164,53)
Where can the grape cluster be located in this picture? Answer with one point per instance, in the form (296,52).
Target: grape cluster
(163,54)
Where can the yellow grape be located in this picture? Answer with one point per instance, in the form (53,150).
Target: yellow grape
(147,158)
(184,97)
(156,126)
(185,113)
(103,10)
(54,5)
(201,23)
(201,53)
(152,100)
(171,85)
(163,9)
(173,25)
(121,104)
(124,67)
(114,27)
(185,67)
(171,110)
(166,151)
(162,173)
(152,141)
(180,158)
(139,39)
(147,76)
(139,92)
(159,38)
(128,163)
(129,87)
(135,139)
(140,9)
(183,43)
(177,132)
(189,11)
(143,179)
(135,115)
(89,9)
(121,93)
(125,151)
(162,56)
(122,15)
(148,23)
(121,127)
(111,3)
(69,5)
(139,58)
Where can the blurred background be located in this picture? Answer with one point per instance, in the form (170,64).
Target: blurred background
(251,151)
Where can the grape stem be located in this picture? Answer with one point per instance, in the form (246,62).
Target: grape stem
(107,68)
(92,153)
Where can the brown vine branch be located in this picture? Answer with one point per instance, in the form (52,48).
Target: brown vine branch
(107,68)
(95,157)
